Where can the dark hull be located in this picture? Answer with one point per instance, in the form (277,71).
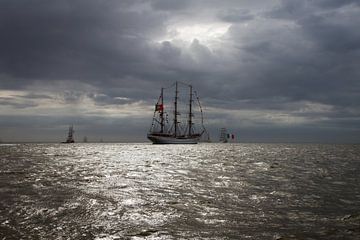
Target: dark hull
(157,139)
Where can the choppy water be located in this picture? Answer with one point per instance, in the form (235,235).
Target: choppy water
(205,191)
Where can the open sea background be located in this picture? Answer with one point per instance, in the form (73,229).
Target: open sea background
(204,191)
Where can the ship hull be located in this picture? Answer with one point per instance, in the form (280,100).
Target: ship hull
(172,140)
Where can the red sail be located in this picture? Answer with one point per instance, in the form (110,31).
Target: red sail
(159,107)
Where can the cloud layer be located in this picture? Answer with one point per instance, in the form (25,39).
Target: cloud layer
(269,71)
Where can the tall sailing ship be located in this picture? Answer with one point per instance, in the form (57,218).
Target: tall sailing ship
(70,138)
(163,131)
(223,135)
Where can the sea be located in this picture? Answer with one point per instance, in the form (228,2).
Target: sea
(107,191)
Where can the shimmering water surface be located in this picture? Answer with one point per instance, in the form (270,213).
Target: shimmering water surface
(204,191)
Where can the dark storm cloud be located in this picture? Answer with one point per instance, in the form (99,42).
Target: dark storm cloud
(169,5)
(312,57)
(236,15)
(295,59)
(298,9)
(82,40)
(334,3)
(334,31)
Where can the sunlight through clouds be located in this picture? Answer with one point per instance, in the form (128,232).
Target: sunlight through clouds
(209,34)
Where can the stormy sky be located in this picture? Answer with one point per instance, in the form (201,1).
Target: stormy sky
(268,70)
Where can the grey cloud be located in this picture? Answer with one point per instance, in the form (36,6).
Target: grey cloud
(82,40)
(169,54)
(201,52)
(169,5)
(111,52)
(236,15)
(334,3)
(16,104)
(294,10)
(334,31)
(289,10)
(314,59)
(35,96)
(103,99)
(70,96)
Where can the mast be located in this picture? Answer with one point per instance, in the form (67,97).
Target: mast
(70,135)
(175,109)
(162,110)
(70,138)
(223,135)
(190,111)
(201,113)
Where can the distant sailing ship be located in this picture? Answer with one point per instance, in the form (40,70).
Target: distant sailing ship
(70,138)
(225,136)
(175,132)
